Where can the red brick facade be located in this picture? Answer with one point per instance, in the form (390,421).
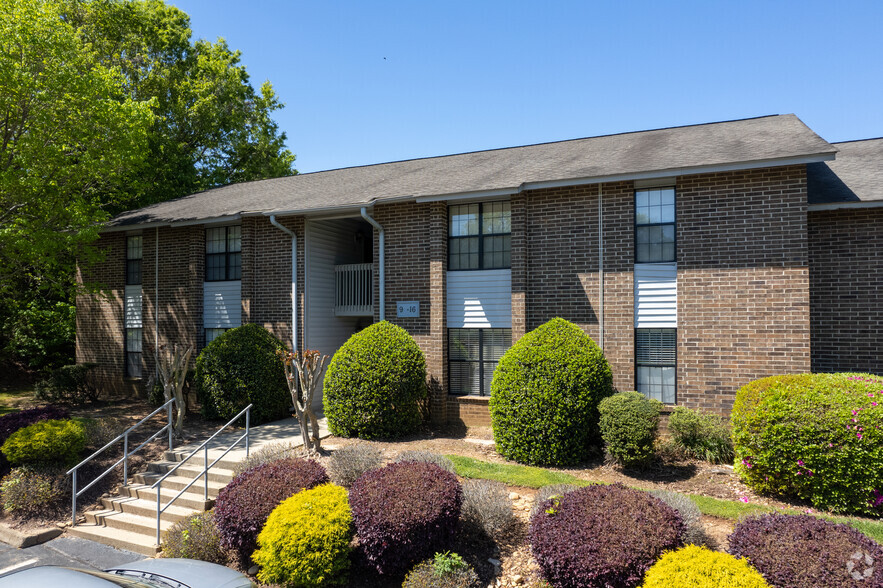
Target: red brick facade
(846,290)
(745,272)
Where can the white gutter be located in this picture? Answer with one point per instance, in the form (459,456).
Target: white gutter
(291,234)
(600,271)
(382,277)
(846,205)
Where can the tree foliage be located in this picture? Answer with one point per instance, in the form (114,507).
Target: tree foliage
(108,105)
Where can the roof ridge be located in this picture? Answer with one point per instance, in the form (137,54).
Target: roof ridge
(856,140)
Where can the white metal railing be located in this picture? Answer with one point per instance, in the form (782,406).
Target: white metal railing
(354,285)
(124,459)
(206,466)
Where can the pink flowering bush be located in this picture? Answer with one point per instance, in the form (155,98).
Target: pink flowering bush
(815,437)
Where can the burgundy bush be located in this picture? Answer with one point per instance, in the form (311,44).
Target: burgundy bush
(12,422)
(245,503)
(805,551)
(602,536)
(404,513)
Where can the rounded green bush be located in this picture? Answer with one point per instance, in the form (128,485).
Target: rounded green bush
(700,567)
(374,384)
(629,421)
(444,570)
(816,437)
(306,539)
(38,492)
(46,442)
(545,394)
(240,368)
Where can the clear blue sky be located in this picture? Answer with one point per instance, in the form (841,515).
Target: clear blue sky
(374,81)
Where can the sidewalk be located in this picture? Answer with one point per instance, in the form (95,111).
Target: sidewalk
(281,431)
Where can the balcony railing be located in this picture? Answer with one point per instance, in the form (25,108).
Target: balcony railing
(354,289)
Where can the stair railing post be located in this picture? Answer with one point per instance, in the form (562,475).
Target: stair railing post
(247,427)
(74,500)
(158,511)
(170,425)
(205,471)
(126,459)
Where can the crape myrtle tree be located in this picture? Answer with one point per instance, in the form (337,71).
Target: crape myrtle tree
(108,105)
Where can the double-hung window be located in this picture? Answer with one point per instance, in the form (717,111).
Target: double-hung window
(473,356)
(656,294)
(223,254)
(479,236)
(133,324)
(479,257)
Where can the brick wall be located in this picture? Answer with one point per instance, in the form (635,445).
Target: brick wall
(846,290)
(743,283)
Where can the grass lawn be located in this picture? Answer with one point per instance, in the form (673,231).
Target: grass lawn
(533,477)
(13,398)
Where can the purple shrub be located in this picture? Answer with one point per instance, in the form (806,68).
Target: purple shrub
(602,536)
(798,551)
(245,503)
(404,513)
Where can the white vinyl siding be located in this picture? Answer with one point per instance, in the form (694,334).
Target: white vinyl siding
(133,307)
(656,295)
(479,299)
(222,305)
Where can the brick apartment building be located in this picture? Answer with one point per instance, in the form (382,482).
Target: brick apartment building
(698,257)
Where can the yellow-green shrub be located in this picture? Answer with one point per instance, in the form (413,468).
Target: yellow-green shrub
(53,441)
(305,541)
(699,567)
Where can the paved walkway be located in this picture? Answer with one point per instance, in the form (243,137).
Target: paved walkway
(282,431)
(64,551)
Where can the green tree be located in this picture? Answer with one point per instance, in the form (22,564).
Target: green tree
(211,127)
(68,135)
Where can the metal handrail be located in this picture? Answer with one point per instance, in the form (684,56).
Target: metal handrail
(206,466)
(124,459)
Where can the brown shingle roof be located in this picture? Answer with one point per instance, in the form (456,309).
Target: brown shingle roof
(855,176)
(662,151)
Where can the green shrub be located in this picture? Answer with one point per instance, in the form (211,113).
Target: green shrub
(816,437)
(305,541)
(699,567)
(240,368)
(445,570)
(71,384)
(195,537)
(629,421)
(41,492)
(545,394)
(46,442)
(374,384)
(701,435)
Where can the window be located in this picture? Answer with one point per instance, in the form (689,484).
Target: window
(479,236)
(212,334)
(655,225)
(473,356)
(134,253)
(656,360)
(223,257)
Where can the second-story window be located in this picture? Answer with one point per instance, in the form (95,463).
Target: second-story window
(655,225)
(479,236)
(134,253)
(223,257)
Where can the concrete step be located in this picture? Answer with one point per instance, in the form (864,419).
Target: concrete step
(143,544)
(228,462)
(193,501)
(145,508)
(188,470)
(143,525)
(175,482)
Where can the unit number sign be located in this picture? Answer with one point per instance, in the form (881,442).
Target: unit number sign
(410,308)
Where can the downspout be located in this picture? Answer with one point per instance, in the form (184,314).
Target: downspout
(156,305)
(600,270)
(382,277)
(291,234)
